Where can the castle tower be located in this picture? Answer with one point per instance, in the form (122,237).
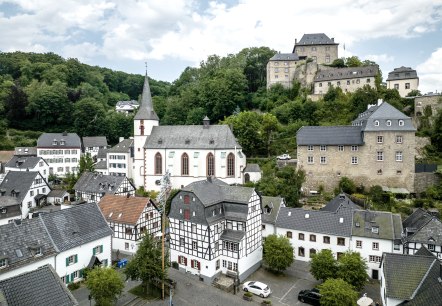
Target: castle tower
(144,121)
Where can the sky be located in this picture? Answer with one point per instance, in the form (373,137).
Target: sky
(171,35)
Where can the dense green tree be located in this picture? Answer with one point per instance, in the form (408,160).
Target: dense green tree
(196,116)
(89,117)
(105,285)
(146,264)
(278,253)
(338,63)
(362,97)
(49,106)
(255,63)
(336,292)
(86,164)
(436,135)
(347,185)
(118,125)
(176,112)
(352,268)
(323,265)
(353,61)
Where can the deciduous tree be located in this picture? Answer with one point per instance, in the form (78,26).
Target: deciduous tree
(323,265)
(278,252)
(337,292)
(105,285)
(353,269)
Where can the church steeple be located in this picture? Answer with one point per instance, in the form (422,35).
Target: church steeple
(146,111)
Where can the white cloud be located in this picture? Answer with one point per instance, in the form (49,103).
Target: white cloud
(430,73)
(379,58)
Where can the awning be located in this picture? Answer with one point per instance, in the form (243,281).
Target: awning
(40,196)
(395,190)
(94,262)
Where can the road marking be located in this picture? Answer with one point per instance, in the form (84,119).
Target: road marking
(294,285)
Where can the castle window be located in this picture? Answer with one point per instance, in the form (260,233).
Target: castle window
(354,160)
(310,159)
(231,165)
(399,156)
(354,148)
(323,160)
(380,139)
(368,80)
(388,122)
(320,84)
(323,148)
(380,156)
(396,86)
(340,148)
(158,164)
(210,169)
(398,139)
(401,122)
(407,85)
(309,148)
(184,164)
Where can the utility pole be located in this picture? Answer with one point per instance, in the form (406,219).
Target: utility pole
(164,193)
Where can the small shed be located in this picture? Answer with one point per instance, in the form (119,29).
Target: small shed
(58,196)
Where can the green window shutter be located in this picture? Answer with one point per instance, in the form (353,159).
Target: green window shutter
(67,279)
(67,261)
(76,258)
(72,276)
(93,251)
(101,248)
(81,273)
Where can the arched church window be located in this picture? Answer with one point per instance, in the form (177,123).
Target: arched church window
(210,165)
(231,165)
(158,163)
(184,164)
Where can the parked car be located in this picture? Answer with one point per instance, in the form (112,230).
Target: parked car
(283,157)
(257,288)
(311,297)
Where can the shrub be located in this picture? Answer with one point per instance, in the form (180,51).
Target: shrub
(347,185)
(73,286)
(248,294)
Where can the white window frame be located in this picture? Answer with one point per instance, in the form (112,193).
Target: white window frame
(310,160)
(375,246)
(359,244)
(376,123)
(355,148)
(401,122)
(341,148)
(323,160)
(399,156)
(388,122)
(323,148)
(399,139)
(380,156)
(354,160)
(380,139)
(310,148)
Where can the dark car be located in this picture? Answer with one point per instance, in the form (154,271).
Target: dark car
(311,297)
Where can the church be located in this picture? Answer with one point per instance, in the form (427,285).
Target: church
(189,152)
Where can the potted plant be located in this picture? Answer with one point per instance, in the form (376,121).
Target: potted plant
(247,296)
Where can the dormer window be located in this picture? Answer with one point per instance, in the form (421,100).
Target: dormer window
(388,123)
(3,263)
(375,230)
(187,141)
(376,123)
(38,251)
(54,142)
(62,142)
(3,210)
(160,141)
(401,122)
(211,141)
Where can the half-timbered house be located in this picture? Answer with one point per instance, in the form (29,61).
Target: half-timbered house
(130,218)
(91,187)
(216,228)
(422,229)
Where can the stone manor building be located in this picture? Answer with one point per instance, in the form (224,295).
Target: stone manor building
(377,149)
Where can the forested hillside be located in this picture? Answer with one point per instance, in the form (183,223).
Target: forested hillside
(45,93)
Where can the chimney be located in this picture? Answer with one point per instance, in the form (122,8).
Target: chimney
(296,41)
(333,39)
(128,195)
(380,101)
(209,179)
(206,122)
(65,133)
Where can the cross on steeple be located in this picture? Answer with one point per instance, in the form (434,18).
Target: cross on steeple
(145,63)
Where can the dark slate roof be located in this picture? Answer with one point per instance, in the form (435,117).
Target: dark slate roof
(397,224)
(101,153)
(18,181)
(101,165)
(430,290)
(272,203)
(146,110)
(417,219)
(329,135)
(9,207)
(39,287)
(17,239)
(346,73)
(57,193)
(98,183)
(365,220)
(216,191)
(24,162)
(231,235)
(314,221)
(72,140)
(122,147)
(76,226)
(25,151)
(191,137)
(431,233)
(405,274)
(96,141)
(382,113)
(400,74)
(423,251)
(316,39)
(340,201)
(252,168)
(285,57)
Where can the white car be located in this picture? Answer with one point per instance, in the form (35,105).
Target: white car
(283,157)
(257,288)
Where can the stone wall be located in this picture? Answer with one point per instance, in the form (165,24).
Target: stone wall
(323,54)
(424,180)
(347,85)
(421,142)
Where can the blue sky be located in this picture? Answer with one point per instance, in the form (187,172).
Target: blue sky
(173,34)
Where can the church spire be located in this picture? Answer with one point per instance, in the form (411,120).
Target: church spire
(146,111)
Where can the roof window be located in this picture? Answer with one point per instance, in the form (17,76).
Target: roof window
(375,230)
(341,220)
(388,123)
(401,122)
(376,123)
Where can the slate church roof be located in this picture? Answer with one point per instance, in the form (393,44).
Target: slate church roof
(69,228)
(146,110)
(191,137)
(39,287)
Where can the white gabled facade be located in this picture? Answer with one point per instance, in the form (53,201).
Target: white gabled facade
(205,241)
(71,263)
(40,166)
